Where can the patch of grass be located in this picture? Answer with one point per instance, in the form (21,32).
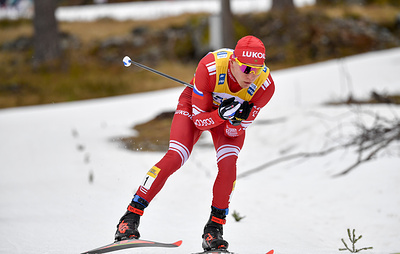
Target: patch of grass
(89,70)
(12,29)
(152,135)
(380,14)
(22,86)
(80,74)
(105,28)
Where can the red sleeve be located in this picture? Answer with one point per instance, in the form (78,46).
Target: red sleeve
(260,99)
(205,114)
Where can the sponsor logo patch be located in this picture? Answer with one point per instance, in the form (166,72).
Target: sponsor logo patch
(150,177)
(222,54)
(183,113)
(265,68)
(204,122)
(232,132)
(221,80)
(251,89)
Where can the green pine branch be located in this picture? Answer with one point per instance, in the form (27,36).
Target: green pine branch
(237,216)
(353,240)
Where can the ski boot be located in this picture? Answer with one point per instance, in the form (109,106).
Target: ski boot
(212,237)
(127,227)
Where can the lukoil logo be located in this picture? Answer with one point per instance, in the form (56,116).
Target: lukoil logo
(253,54)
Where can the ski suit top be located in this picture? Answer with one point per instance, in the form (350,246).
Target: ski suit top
(197,111)
(214,82)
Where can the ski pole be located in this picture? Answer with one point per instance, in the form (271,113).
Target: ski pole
(127,62)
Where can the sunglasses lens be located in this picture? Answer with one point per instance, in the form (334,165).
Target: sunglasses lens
(245,69)
(258,70)
(248,69)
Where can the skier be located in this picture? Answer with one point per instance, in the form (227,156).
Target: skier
(230,89)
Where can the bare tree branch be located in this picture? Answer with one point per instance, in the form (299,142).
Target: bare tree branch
(369,142)
(371,155)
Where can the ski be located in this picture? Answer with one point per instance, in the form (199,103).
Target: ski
(214,252)
(224,251)
(131,243)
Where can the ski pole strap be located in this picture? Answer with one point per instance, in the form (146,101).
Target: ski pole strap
(218,220)
(135,210)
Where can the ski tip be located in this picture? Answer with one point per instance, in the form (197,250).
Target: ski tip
(270,252)
(178,243)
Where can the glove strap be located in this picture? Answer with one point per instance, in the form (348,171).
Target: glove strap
(135,210)
(218,220)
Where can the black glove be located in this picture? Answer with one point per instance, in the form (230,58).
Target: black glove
(228,108)
(242,113)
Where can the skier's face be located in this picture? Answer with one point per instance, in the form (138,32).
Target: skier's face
(244,74)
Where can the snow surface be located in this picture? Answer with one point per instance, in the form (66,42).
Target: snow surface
(148,10)
(160,9)
(48,152)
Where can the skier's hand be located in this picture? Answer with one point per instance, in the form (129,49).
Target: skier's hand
(228,108)
(242,113)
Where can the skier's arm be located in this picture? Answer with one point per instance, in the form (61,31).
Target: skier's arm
(260,99)
(205,116)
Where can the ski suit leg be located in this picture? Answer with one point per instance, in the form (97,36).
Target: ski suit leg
(183,136)
(227,150)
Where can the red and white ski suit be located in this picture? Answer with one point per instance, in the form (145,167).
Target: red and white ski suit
(196,112)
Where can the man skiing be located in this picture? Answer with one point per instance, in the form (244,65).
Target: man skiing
(230,88)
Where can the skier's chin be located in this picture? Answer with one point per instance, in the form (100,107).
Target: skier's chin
(245,85)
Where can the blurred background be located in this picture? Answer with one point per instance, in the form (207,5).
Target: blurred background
(67,50)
